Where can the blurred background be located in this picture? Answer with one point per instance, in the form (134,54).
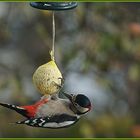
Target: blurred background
(98,51)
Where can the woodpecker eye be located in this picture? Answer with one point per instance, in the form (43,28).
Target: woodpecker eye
(75,104)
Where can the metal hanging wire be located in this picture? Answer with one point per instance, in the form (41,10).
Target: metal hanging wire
(52,53)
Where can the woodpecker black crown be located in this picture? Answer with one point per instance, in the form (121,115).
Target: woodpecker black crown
(83,101)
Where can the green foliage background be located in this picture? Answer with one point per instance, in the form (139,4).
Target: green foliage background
(97,41)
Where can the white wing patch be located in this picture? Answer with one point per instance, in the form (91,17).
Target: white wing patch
(27,121)
(58,125)
(34,122)
(42,121)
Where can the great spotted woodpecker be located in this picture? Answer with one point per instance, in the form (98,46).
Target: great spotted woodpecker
(52,111)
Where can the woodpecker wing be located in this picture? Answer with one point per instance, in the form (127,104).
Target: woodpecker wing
(54,122)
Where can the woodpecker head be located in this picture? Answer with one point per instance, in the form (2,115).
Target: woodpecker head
(80,102)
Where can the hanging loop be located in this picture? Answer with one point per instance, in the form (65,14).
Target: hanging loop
(53,37)
(54,5)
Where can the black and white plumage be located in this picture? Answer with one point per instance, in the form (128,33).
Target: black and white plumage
(54,122)
(53,112)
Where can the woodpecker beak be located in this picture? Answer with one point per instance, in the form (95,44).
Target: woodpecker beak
(69,96)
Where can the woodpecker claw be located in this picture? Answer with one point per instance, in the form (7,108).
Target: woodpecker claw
(54,97)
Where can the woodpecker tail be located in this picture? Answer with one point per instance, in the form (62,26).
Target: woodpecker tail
(20,122)
(18,109)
